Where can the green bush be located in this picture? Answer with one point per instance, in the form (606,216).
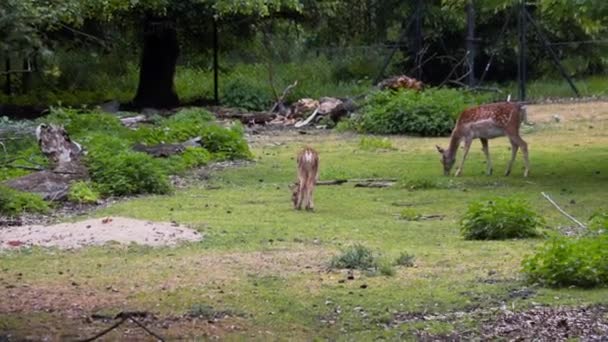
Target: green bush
(83,193)
(355,257)
(566,261)
(375,143)
(428,113)
(14,202)
(499,218)
(405,259)
(223,143)
(409,214)
(119,171)
(598,223)
(247,93)
(82,122)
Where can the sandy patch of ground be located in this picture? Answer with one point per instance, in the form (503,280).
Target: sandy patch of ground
(97,231)
(568,111)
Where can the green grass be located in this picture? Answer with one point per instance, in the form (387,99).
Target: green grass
(269,263)
(559,88)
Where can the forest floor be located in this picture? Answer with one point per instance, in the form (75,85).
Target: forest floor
(262,270)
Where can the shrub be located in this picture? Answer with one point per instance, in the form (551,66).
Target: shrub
(81,192)
(499,218)
(375,143)
(355,257)
(81,122)
(409,215)
(224,143)
(564,261)
(119,171)
(429,113)
(247,93)
(418,183)
(405,259)
(13,202)
(598,223)
(386,269)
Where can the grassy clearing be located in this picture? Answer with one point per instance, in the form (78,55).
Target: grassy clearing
(270,264)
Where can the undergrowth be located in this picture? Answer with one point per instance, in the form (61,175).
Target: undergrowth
(565,261)
(499,218)
(116,170)
(13,202)
(431,112)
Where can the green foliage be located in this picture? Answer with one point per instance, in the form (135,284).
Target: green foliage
(79,123)
(82,193)
(375,143)
(355,257)
(405,259)
(223,143)
(598,223)
(499,218)
(409,215)
(386,269)
(119,171)
(14,202)
(564,261)
(429,113)
(247,93)
(418,183)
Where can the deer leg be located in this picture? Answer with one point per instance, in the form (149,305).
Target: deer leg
(524,150)
(467,146)
(486,151)
(311,204)
(514,147)
(300,197)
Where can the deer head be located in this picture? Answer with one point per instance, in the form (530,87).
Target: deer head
(446,160)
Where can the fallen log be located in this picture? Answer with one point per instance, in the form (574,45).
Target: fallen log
(374,185)
(64,161)
(332,182)
(166,150)
(259,118)
(133,121)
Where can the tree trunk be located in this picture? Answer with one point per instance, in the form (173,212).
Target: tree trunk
(159,57)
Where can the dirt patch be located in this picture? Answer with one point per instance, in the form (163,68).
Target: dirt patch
(97,231)
(565,112)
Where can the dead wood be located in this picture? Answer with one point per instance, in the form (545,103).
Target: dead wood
(332,182)
(133,121)
(401,82)
(247,118)
(374,185)
(64,161)
(282,97)
(572,218)
(166,150)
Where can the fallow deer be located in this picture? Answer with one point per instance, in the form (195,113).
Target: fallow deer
(487,122)
(308,173)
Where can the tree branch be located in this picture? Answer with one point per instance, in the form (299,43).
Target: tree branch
(562,211)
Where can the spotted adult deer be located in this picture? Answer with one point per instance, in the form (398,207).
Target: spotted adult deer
(308,173)
(487,122)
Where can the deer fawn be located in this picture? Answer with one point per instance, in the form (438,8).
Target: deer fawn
(487,122)
(308,172)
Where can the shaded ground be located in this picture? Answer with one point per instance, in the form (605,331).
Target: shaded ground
(97,232)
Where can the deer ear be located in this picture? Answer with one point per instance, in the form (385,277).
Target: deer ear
(439,149)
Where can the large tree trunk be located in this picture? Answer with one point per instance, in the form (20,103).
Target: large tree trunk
(160,52)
